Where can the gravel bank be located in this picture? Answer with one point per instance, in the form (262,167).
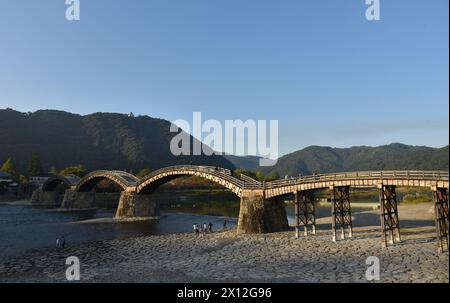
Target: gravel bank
(227,257)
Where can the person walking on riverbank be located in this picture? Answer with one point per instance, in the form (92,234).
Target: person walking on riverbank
(210,227)
(205,227)
(58,243)
(196,229)
(62,242)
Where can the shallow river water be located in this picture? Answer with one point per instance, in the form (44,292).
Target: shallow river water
(24,227)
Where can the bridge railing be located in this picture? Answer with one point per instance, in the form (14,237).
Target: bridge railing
(129,178)
(410,175)
(222,173)
(126,175)
(246,182)
(248,179)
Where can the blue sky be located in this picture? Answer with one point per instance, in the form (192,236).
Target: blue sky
(318,66)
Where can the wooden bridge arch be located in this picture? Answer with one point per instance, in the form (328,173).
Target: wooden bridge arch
(54,181)
(218,175)
(125,180)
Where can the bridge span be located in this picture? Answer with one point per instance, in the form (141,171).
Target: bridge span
(262,203)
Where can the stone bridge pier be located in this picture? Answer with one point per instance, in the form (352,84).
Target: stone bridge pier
(134,206)
(78,200)
(260,215)
(47,198)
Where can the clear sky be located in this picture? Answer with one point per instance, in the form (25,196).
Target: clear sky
(318,66)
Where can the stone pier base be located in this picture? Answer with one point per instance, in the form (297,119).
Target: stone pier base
(46,198)
(78,200)
(134,206)
(36,197)
(260,215)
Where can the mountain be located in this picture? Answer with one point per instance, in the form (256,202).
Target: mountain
(317,159)
(117,141)
(98,141)
(244,162)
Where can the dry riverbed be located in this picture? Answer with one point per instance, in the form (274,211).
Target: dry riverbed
(227,257)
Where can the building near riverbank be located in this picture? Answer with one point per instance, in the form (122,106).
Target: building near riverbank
(7,183)
(4,177)
(39,180)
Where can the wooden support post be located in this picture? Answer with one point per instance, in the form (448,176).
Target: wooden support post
(297,215)
(440,196)
(390,223)
(333,217)
(312,214)
(305,212)
(341,211)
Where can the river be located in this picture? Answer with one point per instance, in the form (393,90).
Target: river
(24,227)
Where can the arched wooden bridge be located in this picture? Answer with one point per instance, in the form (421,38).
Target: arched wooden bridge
(123,179)
(262,208)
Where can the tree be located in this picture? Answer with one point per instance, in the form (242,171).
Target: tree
(77,170)
(248,173)
(23,179)
(8,167)
(260,176)
(143,172)
(273,176)
(35,166)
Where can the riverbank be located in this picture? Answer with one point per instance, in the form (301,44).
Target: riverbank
(226,257)
(17,202)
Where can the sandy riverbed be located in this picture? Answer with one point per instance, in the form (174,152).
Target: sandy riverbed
(227,257)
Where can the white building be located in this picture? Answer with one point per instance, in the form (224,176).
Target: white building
(39,180)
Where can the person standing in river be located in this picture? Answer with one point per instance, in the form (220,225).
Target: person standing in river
(225,224)
(63,242)
(58,243)
(210,227)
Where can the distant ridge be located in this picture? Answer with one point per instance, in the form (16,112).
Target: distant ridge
(396,156)
(244,162)
(118,141)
